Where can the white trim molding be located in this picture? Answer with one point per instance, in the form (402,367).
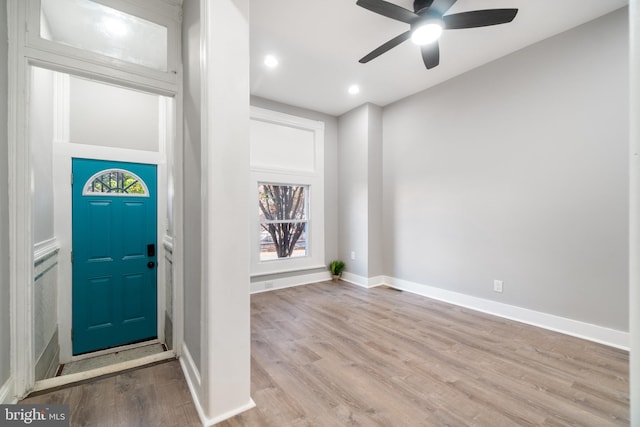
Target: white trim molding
(215,420)
(45,250)
(7,393)
(575,328)
(288,282)
(194,381)
(365,282)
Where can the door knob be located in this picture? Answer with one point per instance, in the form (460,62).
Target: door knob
(151,264)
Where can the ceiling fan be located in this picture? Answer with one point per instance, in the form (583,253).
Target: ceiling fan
(427,21)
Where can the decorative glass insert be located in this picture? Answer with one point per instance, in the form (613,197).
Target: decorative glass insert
(283,220)
(91,26)
(115,182)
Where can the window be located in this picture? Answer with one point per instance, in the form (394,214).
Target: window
(91,26)
(140,38)
(116,182)
(287,182)
(283,218)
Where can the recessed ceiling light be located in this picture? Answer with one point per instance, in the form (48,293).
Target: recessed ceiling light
(354,89)
(270,61)
(426,33)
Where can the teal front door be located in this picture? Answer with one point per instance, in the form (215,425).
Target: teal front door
(114,217)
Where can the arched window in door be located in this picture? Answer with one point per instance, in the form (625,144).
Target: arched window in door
(116,182)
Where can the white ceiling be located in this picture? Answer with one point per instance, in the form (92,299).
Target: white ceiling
(319,43)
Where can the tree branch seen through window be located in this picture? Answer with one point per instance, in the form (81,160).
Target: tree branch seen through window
(283,220)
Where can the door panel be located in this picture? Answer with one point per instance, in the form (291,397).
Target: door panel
(114,276)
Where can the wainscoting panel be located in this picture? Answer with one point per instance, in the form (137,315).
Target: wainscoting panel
(45,299)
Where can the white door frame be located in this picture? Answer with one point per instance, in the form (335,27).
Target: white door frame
(22,55)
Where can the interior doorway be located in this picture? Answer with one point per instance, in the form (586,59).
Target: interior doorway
(128,135)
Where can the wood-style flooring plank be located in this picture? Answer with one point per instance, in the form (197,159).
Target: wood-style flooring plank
(332,354)
(151,396)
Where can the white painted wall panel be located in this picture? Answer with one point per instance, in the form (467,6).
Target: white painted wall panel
(192,180)
(5,337)
(275,146)
(110,116)
(41,136)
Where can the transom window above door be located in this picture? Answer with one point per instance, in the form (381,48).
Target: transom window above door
(91,26)
(135,36)
(116,182)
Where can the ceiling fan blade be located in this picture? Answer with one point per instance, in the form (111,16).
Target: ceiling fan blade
(389,10)
(441,6)
(478,18)
(430,55)
(385,47)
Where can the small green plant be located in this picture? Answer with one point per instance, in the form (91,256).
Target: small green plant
(337,267)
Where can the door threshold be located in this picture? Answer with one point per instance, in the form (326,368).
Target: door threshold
(114,350)
(70,379)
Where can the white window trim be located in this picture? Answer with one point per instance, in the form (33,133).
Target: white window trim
(164,14)
(315,183)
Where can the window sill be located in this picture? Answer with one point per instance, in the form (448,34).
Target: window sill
(290,270)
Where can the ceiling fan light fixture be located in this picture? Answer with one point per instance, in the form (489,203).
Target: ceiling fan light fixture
(426,33)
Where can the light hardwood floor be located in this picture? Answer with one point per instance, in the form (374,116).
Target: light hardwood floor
(152,396)
(338,355)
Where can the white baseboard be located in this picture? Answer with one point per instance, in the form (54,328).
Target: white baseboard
(192,376)
(215,420)
(7,392)
(289,282)
(370,282)
(588,331)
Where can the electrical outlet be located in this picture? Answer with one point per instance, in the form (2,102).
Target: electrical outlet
(497,285)
(353,254)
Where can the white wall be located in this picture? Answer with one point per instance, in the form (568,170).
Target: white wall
(226,359)
(110,116)
(518,171)
(5,338)
(45,285)
(192,177)
(216,238)
(41,139)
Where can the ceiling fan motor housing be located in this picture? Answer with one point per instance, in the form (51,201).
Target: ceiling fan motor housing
(418,5)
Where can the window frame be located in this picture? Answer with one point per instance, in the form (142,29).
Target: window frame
(306,219)
(313,181)
(164,14)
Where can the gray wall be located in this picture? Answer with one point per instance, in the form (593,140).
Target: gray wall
(518,171)
(5,338)
(192,178)
(634,282)
(375,194)
(353,175)
(330,169)
(360,194)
